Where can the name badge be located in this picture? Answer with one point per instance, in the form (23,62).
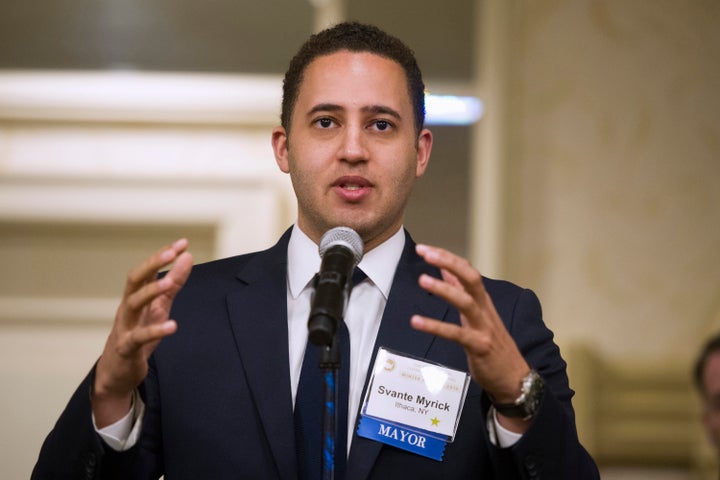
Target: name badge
(413,404)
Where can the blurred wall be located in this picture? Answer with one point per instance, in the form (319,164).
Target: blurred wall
(612,206)
(614,170)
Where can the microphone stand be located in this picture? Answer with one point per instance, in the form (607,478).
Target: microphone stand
(329,363)
(330,366)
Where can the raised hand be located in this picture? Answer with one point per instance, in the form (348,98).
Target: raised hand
(494,360)
(141,321)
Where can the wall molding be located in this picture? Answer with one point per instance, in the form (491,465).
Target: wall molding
(129,96)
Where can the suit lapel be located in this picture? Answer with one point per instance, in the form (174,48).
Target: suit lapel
(406,299)
(258,316)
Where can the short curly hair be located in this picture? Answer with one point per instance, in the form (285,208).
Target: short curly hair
(354,37)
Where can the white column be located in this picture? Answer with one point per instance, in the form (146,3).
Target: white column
(487,196)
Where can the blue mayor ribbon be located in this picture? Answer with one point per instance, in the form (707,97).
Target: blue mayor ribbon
(399,436)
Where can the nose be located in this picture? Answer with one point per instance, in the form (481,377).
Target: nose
(353,145)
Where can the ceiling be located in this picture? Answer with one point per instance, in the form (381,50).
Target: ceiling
(237,36)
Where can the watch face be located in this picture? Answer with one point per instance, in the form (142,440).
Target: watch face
(532,388)
(528,402)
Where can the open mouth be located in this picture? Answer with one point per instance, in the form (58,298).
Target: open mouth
(352,188)
(352,183)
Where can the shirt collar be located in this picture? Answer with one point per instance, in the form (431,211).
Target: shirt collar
(379,264)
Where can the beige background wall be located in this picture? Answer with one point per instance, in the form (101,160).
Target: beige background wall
(601,132)
(613,203)
(614,170)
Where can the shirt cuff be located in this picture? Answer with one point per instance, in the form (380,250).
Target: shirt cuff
(500,436)
(123,434)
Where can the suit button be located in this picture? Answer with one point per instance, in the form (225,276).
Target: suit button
(531,467)
(90,463)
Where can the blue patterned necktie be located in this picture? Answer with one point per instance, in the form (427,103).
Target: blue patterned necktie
(309,406)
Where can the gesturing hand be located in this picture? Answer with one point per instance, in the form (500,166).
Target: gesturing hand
(141,321)
(494,360)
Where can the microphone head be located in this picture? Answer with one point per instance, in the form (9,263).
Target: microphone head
(344,236)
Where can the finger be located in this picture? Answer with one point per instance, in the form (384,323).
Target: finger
(449,331)
(142,284)
(147,270)
(456,266)
(169,286)
(450,278)
(138,337)
(179,272)
(476,312)
(452,292)
(474,341)
(146,294)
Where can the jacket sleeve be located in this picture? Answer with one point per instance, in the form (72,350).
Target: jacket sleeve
(73,449)
(550,449)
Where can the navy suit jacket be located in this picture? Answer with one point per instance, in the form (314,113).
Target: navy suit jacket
(218,399)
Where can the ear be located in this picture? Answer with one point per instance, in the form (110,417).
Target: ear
(280,148)
(424,147)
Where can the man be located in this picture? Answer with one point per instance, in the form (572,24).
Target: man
(211,393)
(707,381)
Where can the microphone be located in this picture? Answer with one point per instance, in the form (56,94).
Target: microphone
(341,249)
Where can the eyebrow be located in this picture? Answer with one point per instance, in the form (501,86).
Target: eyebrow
(376,109)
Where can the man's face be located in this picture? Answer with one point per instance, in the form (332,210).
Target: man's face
(352,151)
(711,398)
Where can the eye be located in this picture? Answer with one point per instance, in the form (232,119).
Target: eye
(382,125)
(324,122)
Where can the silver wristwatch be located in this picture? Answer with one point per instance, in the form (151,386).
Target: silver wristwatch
(527,404)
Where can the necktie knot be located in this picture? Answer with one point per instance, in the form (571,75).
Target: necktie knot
(358,276)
